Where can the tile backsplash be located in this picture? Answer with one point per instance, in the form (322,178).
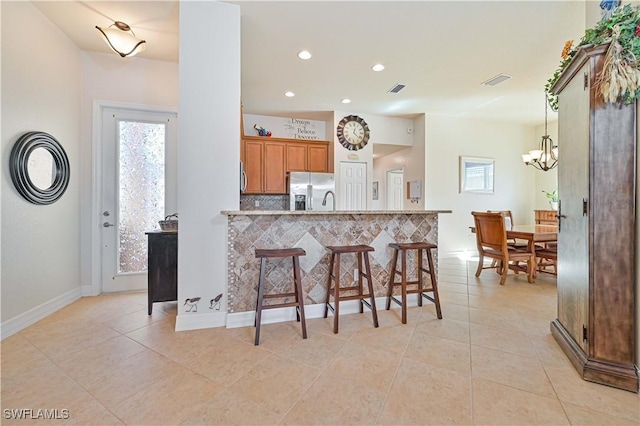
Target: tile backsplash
(264,202)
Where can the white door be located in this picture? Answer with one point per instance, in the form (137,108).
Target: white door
(138,189)
(394,190)
(353,186)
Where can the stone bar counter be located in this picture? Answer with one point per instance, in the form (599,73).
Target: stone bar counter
(312,231)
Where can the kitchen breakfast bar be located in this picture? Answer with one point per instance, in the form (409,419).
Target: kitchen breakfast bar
(313,231)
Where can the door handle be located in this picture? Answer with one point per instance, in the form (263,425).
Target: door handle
(560,216)
(107,224)
(245,181)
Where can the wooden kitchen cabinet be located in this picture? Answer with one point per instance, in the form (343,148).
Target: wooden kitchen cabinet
(253,160)
(297,157)
(275,172)
(268,160)
(318,157)
(308,156)
(596,326)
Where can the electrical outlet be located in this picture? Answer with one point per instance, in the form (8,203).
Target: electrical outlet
(355,274)
(257,203)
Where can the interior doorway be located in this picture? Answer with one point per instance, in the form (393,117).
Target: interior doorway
(395,192)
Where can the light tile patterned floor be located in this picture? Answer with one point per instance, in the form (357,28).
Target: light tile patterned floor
(491,360)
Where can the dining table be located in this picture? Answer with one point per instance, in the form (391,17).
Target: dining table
(532,234)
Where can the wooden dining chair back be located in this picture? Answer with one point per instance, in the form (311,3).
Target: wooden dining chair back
(491,239)
(508,217)
(508,224)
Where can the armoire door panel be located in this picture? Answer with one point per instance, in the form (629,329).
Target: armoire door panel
(573,189)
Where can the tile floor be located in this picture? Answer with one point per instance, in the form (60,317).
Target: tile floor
(491,360)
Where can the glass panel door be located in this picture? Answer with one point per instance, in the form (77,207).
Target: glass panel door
(137,171)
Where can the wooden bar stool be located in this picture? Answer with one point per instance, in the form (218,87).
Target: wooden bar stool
(263,254)
(362,251)
(401,249)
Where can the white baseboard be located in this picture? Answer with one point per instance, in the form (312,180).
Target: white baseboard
(34,315)
(270,316)
(88,290)
(186,321)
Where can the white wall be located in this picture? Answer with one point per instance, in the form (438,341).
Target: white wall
(386,130)
(110,78)
(448,138)
(40,92)
(410,160)
(208,154)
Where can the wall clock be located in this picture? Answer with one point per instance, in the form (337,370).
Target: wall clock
(353,132)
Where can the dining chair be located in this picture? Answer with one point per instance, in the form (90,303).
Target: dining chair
(508,223)
(547,258)
(491,239)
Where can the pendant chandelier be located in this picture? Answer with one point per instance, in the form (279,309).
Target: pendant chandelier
(545,158)
(121,39)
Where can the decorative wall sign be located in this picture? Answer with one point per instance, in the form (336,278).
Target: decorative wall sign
(280,127)
(353,132)
(39,168)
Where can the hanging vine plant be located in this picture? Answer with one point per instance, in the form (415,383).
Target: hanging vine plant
(619,80)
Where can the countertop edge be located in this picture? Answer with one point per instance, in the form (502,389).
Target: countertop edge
(320,212)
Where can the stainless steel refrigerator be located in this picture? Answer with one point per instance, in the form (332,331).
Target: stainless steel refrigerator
(307,190)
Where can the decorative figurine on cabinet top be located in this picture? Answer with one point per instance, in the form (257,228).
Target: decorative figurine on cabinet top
(262,131)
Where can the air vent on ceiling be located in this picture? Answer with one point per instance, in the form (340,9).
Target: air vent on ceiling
(396,88)
(494,81)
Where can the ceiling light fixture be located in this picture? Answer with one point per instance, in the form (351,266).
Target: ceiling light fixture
(545,158)
(121,39)
(289,94)
(377,67)
(346,101)
(304,54)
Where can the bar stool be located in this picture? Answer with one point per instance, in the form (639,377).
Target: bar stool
(263,254)
(402,248)
(362,251)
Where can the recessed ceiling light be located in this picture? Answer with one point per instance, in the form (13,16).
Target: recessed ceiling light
(346,101)
(289,94)
(377,67)
(304,54)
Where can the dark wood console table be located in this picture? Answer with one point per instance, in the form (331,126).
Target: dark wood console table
(163,267)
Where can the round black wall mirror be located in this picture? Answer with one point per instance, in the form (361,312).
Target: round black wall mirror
(39,168)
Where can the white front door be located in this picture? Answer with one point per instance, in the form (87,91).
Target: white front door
(353,186)
(138,189)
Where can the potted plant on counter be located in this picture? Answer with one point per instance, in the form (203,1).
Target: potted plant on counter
(553,199)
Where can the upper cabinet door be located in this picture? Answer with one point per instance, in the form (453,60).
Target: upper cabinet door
(275,174)
(296,157)
(318,157)
(253,166)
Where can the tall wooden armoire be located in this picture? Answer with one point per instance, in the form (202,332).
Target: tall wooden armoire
(596,239)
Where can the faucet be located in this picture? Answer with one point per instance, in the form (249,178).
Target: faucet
(324,200)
